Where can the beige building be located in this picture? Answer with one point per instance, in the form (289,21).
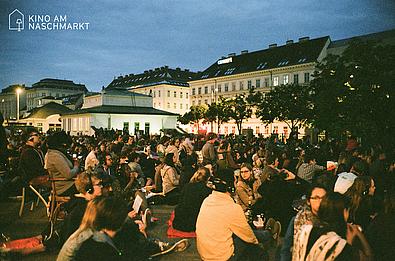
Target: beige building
(168,87)
(293,62)
(51,89)
(8,101)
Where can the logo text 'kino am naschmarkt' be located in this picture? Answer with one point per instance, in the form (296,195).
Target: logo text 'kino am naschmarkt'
(16,21)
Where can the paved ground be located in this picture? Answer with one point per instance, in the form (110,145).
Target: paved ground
(33,222)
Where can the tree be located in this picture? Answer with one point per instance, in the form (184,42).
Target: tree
(354,93)
(218,112)
(289,103)
(194,115)
(239,109)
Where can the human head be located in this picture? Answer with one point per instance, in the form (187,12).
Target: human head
(211,137)
(333,212)
(224,181)
(90,183)
(104,213)
(59,140)
(108,160)
(246,172)
(169,159)
(134,157)
(32,138)
(314,198)
(272,159)
(344,182)
(201,175)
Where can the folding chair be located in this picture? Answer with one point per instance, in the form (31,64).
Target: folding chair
(56,201)
(38,190)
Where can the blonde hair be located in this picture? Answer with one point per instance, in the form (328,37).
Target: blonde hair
(83,180)
(202,174)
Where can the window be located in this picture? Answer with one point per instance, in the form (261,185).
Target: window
(126,127)
(181,106)
(219,88)
(296,78)
(199,102)
(186,105)
(168,93)
(146,128)
(286,79)
(205,101)
(226,129)
(306,77)
(241,85)
(229,71)
(136,127)
(175,105)
(266,129)
(266,82)
(285,131)
(205,89)
(249,85)
(257,130)
(193,91)
(159,93)
(154,94)
(261,66)
(233,129)
(193,103)
(275,81)
(212,88)
(154,104)
(186,95)
(180,94)
(226,87)
(175,94)
(258,83)
(168,105)
(159,105)
(233,86)
(275,129)
(199,90)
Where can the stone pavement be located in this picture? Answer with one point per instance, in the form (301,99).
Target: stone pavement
(33,222)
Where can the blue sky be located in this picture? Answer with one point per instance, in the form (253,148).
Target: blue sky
(132,36)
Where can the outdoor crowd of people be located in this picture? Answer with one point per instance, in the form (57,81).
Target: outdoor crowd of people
(238,194)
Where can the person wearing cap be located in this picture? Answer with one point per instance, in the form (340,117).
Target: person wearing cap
(222,231)
(208,151)
(344,182)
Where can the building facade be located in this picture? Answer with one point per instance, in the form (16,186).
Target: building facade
(118,109)
(262,70)
(8,101)
(38,94)
(168,87)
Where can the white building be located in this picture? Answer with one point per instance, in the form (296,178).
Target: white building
(168,87)
(8,101)
(293,62)
(117,109)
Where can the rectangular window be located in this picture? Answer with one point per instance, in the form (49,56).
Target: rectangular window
(205,101)
(175,105)
(226,129)
(175,94)
(296,78)
(168,93)
(186,95)
(258,83)
(266,82)
(306,77)
(180,94)
(199,90)
(146,128)
(205,89)
(275,129)
(154,104)
(257,130)
(241,86)
(285,131)
(181,106)
(193,103)
(193,91)
(233,86)
(226,87)
(154,94)
(168,105)
(233,129)
(249,84)
(159,93)
(136,127)
(199,102)
(286,79)
(126,127)
(219,88)
(275,81)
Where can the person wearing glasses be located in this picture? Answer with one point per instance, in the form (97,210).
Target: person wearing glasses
(247,188)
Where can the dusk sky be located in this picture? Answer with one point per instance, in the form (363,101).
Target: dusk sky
(132,36)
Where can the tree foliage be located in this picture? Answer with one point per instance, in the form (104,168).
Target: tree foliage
(291,104)
(194,115)
(239,109)
(354,93)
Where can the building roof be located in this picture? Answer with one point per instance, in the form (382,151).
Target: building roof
(301,52)
(59,84)
(48,109)
(121,110)
(162,75)
(387,37)
(12,88)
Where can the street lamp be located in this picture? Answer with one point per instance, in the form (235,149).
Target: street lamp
(18,92)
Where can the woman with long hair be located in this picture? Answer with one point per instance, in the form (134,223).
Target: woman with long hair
(360,195)
(247,188)
(93,240)
(191,199)
(332,238)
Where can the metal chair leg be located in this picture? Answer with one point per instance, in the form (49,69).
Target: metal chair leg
(22,201)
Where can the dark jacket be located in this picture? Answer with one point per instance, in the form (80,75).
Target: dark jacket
(188,207)
(31,163)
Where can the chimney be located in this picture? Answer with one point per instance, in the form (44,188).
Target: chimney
(272,45)
(288,42)
(231,54)
(244,51)
(304,39)
(178,69)
(166,67)
(146,71)
(187,70)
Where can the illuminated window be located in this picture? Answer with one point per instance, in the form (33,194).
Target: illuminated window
(286,79)
(275,81)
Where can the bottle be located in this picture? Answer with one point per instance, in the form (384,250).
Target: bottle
(248,212)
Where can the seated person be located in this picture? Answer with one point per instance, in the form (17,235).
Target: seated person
(222,231)
(247,189)
(191,198)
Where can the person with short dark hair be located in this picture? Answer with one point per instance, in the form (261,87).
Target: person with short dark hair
(208,151)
